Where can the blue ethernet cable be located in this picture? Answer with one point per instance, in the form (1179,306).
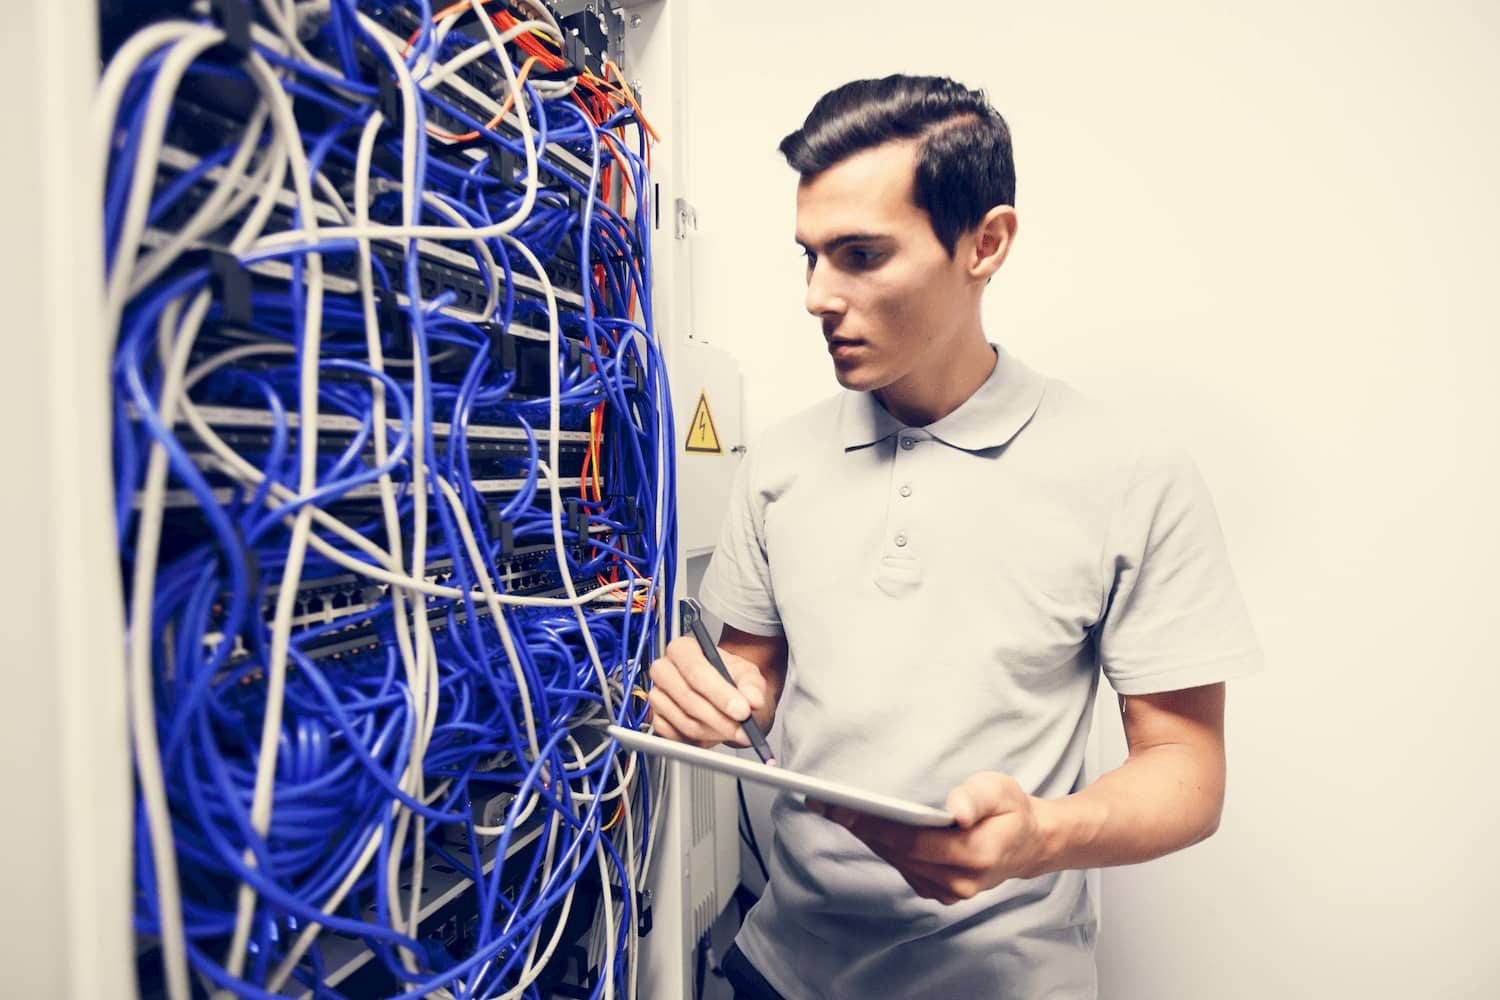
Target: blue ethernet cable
(347,729)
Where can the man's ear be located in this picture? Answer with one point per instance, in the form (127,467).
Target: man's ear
(992,239)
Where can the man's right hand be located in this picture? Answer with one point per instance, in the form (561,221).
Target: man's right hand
(691,703)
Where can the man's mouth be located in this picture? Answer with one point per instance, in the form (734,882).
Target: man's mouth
(841,347)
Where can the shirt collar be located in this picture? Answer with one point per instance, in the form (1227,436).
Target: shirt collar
(989,418)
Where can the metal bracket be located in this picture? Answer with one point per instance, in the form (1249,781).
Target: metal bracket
(687,219)
(690,612)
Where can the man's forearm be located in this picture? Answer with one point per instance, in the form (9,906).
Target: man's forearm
(1166,796)
(1159,801)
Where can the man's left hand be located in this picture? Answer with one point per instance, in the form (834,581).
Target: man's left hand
(998,837)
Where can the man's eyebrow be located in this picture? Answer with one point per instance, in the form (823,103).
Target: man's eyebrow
(846,239)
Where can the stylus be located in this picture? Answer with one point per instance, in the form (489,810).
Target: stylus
(692,620)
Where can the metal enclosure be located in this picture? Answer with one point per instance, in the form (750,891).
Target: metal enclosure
(66,847)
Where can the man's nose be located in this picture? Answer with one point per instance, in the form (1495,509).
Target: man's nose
(823,297)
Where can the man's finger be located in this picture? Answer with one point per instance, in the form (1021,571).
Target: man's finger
(897,838)
(890,840)
(960,883)
(664,728)
(928,889)
(669,723)
(685,727)
(928,881)
(748,678)
(668,684)
(981,795)
(701,675)
(946,883)
(955,850)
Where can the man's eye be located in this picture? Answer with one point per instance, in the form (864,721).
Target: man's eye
(864,259)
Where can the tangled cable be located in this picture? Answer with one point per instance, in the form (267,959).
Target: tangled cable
(393,466)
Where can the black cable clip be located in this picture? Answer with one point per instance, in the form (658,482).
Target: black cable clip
(502,348)
(395,334)
(236,18)
(252,564)
(578,517)
(577,521)
(505,165)
(630,514)
(387,98)
(569,959)
(634,373)
(643,912)
(229,280)
(503,532)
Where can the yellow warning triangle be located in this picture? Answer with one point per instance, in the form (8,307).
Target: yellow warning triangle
(702,436)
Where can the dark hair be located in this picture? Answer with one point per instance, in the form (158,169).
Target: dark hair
(964,165)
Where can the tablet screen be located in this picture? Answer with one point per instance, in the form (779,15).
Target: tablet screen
(832,792)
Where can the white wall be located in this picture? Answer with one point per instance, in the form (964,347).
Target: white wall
(1276,227)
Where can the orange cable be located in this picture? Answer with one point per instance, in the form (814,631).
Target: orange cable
(630,98)
(504,109)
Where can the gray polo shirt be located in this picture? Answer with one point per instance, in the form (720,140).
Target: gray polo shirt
(950,594)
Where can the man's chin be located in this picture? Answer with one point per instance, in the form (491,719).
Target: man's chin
(860,378)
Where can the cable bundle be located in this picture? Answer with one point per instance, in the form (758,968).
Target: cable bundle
(393,479)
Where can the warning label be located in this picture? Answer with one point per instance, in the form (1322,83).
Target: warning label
(702,436)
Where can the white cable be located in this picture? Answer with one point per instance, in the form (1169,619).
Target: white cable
(153,127)
(138,667)
(417,654)
(445,72)
(265,772)
(535,963)
(607,904)
(386,41)
(233,190)
(385,573)
(288,963)
(220,205)
(542,12)
(523,690)
(606,899)
(554,337)
(486,259)
(629,877)
(117,75)
(285,20)
(190,43)
(388,506)
(388,509)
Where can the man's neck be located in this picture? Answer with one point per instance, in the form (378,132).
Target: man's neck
(926,397)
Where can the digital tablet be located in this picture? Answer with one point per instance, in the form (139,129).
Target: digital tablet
(832,792)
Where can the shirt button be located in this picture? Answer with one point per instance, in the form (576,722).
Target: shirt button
(906,491)
(900,541)
(908,443)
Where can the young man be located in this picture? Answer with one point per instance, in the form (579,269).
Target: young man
(922,579)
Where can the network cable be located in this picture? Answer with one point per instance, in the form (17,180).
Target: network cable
(393,473)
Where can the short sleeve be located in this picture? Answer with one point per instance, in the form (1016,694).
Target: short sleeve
(1173,617)
(736,587)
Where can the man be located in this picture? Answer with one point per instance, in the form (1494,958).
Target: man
(922,579)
